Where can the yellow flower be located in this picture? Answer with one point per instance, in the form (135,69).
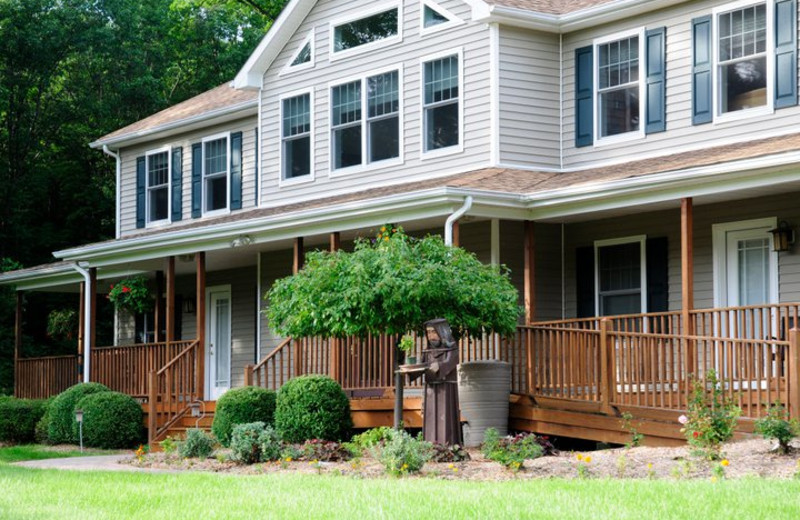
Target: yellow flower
(385,239)
(650,466)
(579,456)
(714,479)
(451,466)
(455,470)
(588,459)
(383,229)
(288,459)
(725,462)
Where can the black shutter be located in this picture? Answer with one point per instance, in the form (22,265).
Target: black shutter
(702,99)
(141,189)
(177,184)
(584,96)
(785,53)
(197,180)
(236,171)
(656,92)
(657,274)
(256,169)
(584,281)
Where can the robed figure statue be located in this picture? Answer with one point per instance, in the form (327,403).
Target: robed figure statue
(441,411)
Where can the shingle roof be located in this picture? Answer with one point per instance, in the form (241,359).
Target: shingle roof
(221,97)
(550,6)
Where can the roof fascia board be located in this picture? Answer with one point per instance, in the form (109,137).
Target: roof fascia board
(214,117)
(48,278)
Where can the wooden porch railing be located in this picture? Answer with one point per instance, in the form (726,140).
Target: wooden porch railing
(40,378)
(172,389)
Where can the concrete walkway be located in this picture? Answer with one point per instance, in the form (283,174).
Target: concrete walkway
(96,463)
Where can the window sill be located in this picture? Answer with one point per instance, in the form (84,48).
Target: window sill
(361,49)
(216,213)
(746,113)
(158,224)
(442,152)
(303,179)
(619,138)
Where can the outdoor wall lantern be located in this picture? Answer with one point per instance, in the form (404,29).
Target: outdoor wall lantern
(79,420)
(782,237)
(189,305)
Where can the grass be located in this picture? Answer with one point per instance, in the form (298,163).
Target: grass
(11,454)
(33,494)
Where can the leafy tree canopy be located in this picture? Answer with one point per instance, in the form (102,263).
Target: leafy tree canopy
(392,285)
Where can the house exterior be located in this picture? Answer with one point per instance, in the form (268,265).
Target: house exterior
(621,157)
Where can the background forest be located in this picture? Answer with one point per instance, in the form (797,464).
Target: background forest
(72,71)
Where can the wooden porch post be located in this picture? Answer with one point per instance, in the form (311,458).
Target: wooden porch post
(17,342)
(530,278)
(299,257)
(158,312)
(336,241)
(456,234)
(687,280)
(81,330)
(201,323)
(794,373)
(608,367)
(334,357)
(170,315)
(92,333)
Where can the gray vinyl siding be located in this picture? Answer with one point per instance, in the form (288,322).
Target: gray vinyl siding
(680,134)
(129,155)
(667,224)
(274,266)
(471,38)
(476,238)
(529,112)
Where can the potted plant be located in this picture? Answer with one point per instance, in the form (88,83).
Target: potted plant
(407,346)
(132,294)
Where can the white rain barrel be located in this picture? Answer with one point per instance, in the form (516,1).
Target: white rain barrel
(483,392)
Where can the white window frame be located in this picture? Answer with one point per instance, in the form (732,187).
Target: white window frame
(367,47)
(453,20)
(719,117)
(365,164)
(450,150)
(627,136)
(642,241)
(289,68)
(168,219)
(282,180)
(227,209)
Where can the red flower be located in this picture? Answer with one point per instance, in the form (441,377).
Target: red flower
(696,434)
(126,289)
(112,286)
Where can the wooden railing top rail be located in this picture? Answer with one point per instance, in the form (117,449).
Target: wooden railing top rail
(283,344)
(616,317)
(693,337)
(174,360)
(745,308)
(145,345)
(48,358)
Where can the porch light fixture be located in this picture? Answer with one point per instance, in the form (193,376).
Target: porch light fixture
(782,237)
(79,420)
(190,305)
(242,240)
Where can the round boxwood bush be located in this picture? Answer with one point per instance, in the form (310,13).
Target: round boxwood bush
(111,420)
(312,407)
(242,406)
(62,411)
(18,419)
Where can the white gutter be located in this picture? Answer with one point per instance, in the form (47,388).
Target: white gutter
(87,319)
(448,226)
(118,212)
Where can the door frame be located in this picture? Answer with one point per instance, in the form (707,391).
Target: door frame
(209,383)
(720,257)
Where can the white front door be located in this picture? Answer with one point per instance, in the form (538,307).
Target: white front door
(218,341)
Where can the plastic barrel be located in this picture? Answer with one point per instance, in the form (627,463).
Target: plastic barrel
(483,391)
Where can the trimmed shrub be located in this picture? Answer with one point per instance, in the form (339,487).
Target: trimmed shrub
(18,418)
(197,444)
(254,442)
(312,407)
(41,434)
(242,406)
(62,411)
(401,453)
(780,426)
(111,420)
(511,452)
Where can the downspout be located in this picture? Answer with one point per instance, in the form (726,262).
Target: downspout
(448,226)
(116,156)
(87,320)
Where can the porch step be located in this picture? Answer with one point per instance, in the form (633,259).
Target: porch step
(187,422)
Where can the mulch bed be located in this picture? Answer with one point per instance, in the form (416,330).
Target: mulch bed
(747,458)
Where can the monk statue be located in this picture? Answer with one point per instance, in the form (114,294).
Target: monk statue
(441,411)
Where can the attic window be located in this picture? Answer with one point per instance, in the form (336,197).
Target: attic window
(377,27)
(436,17)
(304,56)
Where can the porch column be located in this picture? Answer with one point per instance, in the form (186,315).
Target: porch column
(158,313)
(201,323)
(17,342)
(687,277)
(336,241)
(81,330)
(456,234)
(530,279)
(299,257)
(170,315)
(92,332)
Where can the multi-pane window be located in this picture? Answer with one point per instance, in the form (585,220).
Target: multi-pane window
(158,186)
(441,99)
(618,86)
(619,277)
(366,30)
(742,58)
(356,139)
(296,136)
(215,174)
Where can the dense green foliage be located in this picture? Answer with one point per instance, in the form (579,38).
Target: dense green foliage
(779,426)
(197,444)
(511,452)
(392,285)
(255,442)
(62,412)
(312,407)
(111,420)
(402,453)
(240,406)
(18,418)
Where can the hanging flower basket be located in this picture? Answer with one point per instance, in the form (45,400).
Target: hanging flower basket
(132,294)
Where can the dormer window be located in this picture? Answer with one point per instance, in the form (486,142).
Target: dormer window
(157,186)
(215,174)
(382,27)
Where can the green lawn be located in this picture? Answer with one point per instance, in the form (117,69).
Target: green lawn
(32,494)
(10,454)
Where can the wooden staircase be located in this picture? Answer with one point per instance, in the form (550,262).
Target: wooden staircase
(186,422)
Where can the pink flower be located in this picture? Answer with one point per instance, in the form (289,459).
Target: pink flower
(683,419)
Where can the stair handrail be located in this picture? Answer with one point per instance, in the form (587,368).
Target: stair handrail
(161,418)
(255,370)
